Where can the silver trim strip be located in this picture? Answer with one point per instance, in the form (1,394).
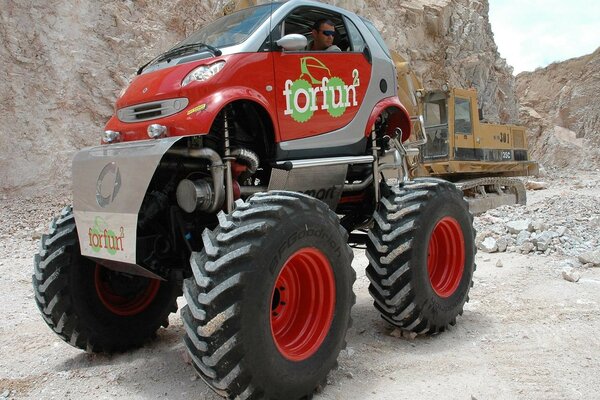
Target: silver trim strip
(319,162)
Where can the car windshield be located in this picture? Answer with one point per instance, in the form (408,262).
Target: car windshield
(232,29)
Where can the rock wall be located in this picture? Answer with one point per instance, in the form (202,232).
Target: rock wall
(62,64)
(449,41)
(559,107)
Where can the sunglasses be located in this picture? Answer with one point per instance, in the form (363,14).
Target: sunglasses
(328,33)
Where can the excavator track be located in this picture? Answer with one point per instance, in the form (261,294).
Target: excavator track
(483,194)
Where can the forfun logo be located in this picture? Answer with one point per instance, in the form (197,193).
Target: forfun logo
(332,94)
(102,237)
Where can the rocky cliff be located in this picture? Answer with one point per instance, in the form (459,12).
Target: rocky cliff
(62,64)
(559,107)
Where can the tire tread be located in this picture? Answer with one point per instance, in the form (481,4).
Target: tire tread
(390,250)
(213,313)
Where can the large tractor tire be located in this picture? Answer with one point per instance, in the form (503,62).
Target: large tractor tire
(270,297)
(421,253)
(89,306)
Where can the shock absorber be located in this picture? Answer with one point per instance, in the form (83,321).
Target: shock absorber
(228,159)
(375,148)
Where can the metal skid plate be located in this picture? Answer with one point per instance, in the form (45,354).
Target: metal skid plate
(109,184)
(325,183)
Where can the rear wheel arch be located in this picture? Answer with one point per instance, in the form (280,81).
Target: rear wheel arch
(396,116)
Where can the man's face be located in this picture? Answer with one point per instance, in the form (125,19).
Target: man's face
(323,38)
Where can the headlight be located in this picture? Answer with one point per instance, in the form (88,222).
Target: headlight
(203,73)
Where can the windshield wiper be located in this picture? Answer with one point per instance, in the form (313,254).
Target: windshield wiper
(213,49)
(178,51)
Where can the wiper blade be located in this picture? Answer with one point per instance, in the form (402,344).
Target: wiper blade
(186,47)
(176,51)
(180,50)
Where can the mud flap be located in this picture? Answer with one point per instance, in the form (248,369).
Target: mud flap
(109,184)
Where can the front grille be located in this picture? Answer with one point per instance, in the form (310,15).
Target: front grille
(152,110)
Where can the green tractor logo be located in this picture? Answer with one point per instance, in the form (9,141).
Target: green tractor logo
(316,89)
(101,237)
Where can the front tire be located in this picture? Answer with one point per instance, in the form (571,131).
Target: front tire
(89,306)
(421,255)
(269,303)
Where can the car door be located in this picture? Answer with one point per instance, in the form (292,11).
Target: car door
(319,91)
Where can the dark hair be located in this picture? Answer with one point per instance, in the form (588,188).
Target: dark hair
(317,25)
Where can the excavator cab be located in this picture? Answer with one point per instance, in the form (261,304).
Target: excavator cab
(450,125)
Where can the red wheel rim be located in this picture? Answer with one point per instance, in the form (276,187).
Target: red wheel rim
(303,301)
(446,258)
(124,304)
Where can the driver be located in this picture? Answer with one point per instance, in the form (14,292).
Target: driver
(323,32)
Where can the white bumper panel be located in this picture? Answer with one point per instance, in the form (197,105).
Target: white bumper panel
(107,235)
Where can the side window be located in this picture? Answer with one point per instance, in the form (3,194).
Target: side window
(462,116)
(377,37)
(301,21)
(357,42)
(435,113)
(432,114)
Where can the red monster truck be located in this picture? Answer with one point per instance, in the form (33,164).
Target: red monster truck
(235,167)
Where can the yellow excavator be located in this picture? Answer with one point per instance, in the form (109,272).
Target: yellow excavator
(482,159)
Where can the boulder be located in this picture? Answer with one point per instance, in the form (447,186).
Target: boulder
(502,244)
(571,274)
(544,240)
(536,185)
(590,257)
(488,245)
(527,247)
(523,237)
(538,225)
(515,227)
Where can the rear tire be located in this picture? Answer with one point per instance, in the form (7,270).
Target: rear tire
(421,255)
(89,306)
(269,303)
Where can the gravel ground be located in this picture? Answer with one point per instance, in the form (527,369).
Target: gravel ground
(527,332)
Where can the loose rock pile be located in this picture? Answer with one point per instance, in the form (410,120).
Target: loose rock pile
(562,225)
(28,217)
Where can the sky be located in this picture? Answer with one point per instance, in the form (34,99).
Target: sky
(535,33)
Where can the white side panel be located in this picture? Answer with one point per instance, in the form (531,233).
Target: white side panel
(107,235)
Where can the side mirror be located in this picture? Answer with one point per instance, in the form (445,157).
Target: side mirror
(293,42)
(480,114)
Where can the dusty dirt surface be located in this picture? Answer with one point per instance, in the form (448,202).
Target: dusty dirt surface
(526,333)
